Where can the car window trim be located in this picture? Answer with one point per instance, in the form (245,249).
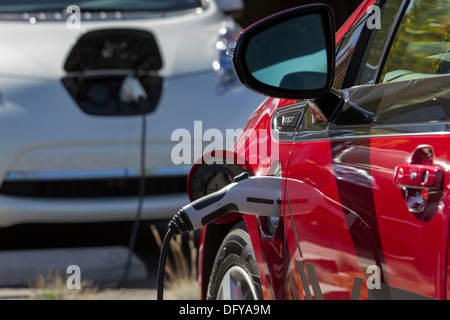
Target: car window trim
(345,83)
(338,46)
(363,132)
(390,41)
(357,56)
(350,75)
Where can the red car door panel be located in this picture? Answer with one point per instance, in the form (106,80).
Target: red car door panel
(413,237)
(407,163)
(367,196)
(319,243)
(365,202)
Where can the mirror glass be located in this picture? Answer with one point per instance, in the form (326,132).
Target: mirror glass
(290,55)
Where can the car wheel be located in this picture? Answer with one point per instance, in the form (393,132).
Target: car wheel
(235,273)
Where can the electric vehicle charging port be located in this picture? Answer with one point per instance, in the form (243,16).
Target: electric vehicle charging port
(100,62)
(268,227)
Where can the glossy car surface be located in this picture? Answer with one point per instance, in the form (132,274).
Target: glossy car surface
(70,146)
(365,206)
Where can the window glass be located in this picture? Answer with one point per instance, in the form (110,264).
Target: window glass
(421,47)
(376,43)
(346,48)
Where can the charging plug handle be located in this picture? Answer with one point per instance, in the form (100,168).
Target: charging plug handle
(131,90)
(247,195)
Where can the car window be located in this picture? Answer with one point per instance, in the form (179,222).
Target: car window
(377,42)
(419,53)
(344,55)
(421,47)
(14,6)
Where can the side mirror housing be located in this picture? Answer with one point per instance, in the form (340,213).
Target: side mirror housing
(290,54)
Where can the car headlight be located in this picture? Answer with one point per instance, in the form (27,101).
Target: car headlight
(223,67)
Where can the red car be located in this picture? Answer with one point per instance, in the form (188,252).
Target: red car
(359,124)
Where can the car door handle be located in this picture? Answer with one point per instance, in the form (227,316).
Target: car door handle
(417,176)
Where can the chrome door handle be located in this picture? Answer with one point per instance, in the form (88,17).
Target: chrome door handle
(417,176)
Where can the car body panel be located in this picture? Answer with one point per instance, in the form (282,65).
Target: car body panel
(273,274)
(357,211)
(348,229)
(414,245)
(315,217)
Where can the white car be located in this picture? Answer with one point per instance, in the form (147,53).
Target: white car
(75,82)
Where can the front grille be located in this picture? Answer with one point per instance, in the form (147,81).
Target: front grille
(94,188)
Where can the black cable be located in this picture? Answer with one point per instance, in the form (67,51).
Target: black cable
(162,263)
(178,225)
(137,220)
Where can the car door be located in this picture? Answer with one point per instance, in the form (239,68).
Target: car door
(366,193)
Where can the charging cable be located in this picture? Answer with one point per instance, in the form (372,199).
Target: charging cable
(132,91)
(256,195)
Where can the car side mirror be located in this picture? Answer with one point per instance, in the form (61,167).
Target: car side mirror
(290,54)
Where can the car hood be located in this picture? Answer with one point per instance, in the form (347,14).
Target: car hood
(39,50)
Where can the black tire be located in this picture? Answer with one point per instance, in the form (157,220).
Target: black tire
(235,264)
